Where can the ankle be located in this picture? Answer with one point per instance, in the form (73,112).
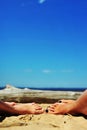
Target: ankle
(73,108)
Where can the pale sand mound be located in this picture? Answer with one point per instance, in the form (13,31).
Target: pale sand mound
(44,122)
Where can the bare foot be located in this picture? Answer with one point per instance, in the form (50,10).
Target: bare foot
(67,107)
(64,107)
(66,101)
(28,108)
(55,108)
(59,108)
(78,106)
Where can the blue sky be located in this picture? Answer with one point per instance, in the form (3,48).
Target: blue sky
(43,43)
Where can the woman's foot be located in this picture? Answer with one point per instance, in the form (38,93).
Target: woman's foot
(66,101)
(67,107)
(60,108)
(28,108)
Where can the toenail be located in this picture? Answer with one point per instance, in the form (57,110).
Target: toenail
(59,101)
(46,110)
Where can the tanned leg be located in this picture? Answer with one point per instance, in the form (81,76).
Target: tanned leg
(5,107)
(15,108)
(71,107)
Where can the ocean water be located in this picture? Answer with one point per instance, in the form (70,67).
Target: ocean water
(61,89)
(56,88)
(51,88)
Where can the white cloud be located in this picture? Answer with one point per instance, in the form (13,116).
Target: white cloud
(31,3)
(46,71)
(41,1)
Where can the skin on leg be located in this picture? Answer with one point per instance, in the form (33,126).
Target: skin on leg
(11,103)
(5,107)
(70,106)
(82,103)
(15,108)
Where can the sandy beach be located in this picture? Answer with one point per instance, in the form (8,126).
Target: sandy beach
(43,121)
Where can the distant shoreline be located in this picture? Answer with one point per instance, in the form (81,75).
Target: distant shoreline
(78,89)
(11,93)
(59,89)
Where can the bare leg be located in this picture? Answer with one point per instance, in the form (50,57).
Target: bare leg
(5,107)
(81,103)
(14,108)
(71,107)
(11,103)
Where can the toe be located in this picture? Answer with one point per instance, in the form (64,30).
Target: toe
(39,111)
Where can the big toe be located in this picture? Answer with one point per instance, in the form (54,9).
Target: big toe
(39,111)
